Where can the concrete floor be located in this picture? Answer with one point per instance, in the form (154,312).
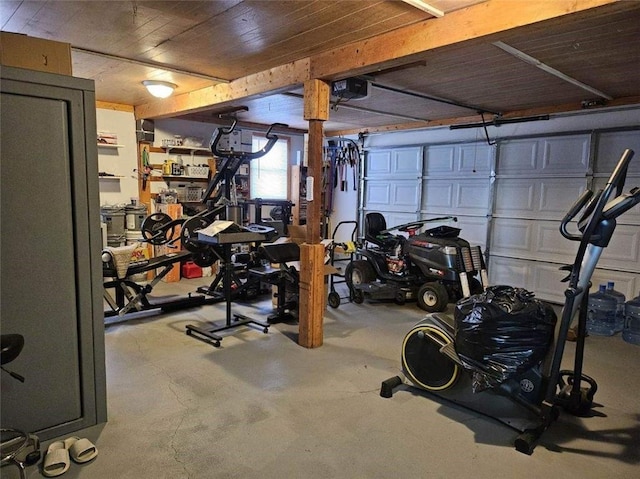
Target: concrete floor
(263,407)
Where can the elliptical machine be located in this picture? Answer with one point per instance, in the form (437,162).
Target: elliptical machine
(529,401)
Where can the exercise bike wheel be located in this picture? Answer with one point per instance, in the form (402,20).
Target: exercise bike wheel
(422,361)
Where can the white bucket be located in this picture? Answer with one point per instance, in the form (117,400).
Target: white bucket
(135,215)
(139,254)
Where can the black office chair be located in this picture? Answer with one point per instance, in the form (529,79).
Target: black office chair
(374,225)
(16,447)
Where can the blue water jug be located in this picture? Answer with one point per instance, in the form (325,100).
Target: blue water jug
(601,317)
(620,299)
(631,331)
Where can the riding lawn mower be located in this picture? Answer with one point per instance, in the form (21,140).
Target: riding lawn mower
(435,267)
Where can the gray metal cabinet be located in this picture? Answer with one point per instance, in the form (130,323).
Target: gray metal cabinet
(50,288)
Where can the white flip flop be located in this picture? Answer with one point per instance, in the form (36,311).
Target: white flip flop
(81,449)
(56,462)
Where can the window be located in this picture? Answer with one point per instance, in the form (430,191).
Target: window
(268,178)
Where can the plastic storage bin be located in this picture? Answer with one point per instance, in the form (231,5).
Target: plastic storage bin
(631,331)
(601,318)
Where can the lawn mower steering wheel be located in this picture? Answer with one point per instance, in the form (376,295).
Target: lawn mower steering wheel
(411,228)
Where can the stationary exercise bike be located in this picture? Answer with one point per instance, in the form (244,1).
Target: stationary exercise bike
(530,400)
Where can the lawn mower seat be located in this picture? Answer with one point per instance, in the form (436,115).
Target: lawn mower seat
(374,225)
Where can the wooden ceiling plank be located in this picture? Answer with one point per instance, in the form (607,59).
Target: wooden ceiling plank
(474,22)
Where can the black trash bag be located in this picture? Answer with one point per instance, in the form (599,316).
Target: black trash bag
(501,333)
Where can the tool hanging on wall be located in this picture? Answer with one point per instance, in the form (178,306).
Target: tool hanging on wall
(341,155)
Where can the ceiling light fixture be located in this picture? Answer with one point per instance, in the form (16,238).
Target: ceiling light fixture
(159,89)
(425,7)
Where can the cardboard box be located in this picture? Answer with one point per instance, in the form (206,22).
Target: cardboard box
(33,53)
(297,234)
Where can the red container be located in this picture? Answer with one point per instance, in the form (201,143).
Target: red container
(191,270)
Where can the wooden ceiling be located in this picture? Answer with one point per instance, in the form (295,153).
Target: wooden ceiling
(228,53)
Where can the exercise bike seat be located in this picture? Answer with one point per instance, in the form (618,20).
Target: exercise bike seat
(10,347)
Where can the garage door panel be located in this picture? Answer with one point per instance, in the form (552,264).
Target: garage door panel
(472,197)
(465,159)
(398,163)
(406,161)
(547,282)
(473,229)
(439,160)
(542,156)
(476,159)
(377,194)
(544,279)
(551,245)
(405,195)
(392,195)
(535,240)
(438,196)
(509,271)
(378,163)
(512,237)
(565,154)
(611,145)
(515,197)
(517,157)
(623,251)
(557,195)
(456,196)
(542,198)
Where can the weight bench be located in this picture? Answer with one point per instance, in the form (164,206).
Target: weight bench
(281,277)
(131,296)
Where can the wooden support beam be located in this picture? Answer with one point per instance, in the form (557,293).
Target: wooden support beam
(312,294)
(105,105)
(477,21)
(278,79)
(316,100)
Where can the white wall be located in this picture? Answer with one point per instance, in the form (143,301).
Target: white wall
(121,161)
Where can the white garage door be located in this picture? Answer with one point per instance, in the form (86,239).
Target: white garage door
(511,201)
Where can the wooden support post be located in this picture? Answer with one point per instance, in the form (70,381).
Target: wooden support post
(312,295)
(312,300)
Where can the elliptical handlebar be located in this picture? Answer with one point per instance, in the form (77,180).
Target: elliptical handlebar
(600,207)
(221,131)
(571,214)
